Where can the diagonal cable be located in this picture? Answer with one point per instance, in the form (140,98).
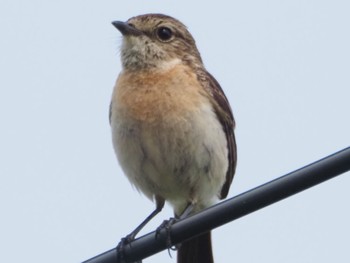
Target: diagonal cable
(234,208)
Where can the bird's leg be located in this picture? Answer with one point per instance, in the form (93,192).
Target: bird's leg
(130,237)
(187,211)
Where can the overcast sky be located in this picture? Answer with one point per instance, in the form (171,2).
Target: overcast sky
(284,66)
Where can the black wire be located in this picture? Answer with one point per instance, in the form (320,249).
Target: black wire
(234,208)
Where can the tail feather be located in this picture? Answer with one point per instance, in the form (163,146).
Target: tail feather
(196,250)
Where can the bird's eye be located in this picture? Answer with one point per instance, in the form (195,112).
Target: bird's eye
(164,33)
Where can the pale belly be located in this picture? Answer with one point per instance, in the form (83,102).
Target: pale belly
(180,158)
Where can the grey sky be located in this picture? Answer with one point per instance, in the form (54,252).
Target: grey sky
(284,66)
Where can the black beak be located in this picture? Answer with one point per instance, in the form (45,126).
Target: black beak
(126,29)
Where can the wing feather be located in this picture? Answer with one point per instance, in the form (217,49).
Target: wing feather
(225,116)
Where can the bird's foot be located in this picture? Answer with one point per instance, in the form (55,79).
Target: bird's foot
(167,226)
(125,241)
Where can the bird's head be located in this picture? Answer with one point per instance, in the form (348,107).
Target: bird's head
(156,41)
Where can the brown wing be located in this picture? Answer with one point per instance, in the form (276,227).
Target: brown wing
(110,113)
(225,116)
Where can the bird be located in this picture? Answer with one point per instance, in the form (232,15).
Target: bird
(171,123)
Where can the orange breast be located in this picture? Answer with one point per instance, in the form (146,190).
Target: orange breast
(154,96)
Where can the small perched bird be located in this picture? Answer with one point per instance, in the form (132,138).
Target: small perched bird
(172,125)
